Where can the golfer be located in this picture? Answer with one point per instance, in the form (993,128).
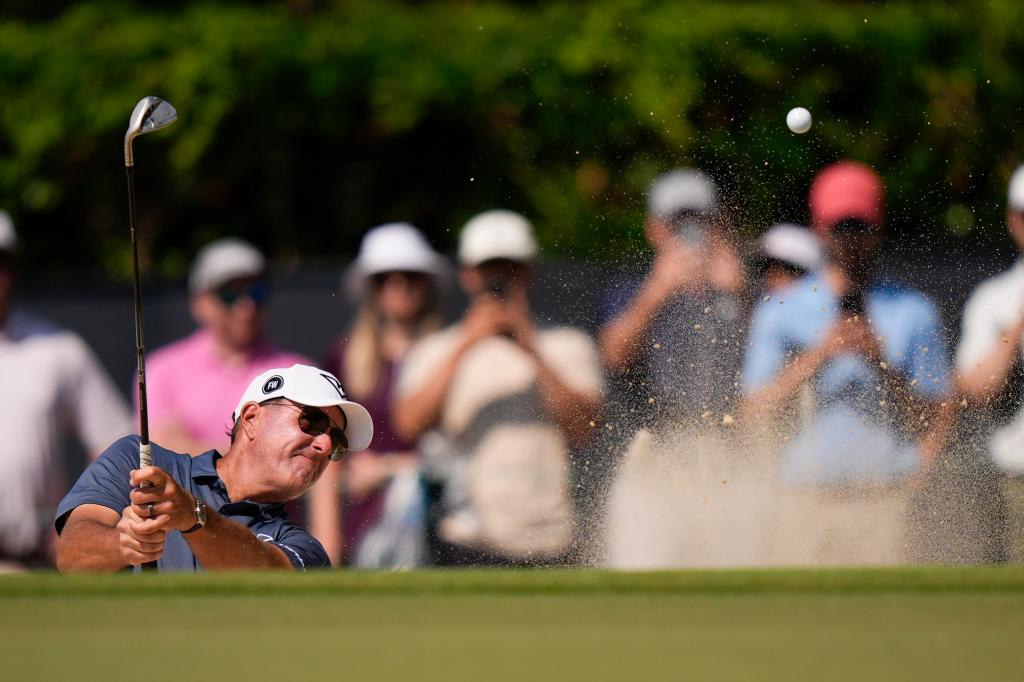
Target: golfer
(216,511)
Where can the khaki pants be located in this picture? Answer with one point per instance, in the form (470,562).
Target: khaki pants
(856,527)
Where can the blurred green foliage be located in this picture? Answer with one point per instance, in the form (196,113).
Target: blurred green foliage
(302,124)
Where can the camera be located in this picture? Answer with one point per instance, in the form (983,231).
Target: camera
(852,303)
(497,288)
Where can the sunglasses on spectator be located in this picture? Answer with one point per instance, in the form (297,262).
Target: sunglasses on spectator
(410,276)
(313,422)
(257,292)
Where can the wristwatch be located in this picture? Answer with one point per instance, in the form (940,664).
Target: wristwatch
(200,516)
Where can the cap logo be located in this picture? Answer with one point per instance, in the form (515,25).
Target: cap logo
(335,384)
(272,384)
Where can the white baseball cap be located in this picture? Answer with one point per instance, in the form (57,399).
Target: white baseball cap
(794,245)
(223,260)
(312,387)
(681,189)
(497,234)
(397,247)
(1015,196)
(8,237)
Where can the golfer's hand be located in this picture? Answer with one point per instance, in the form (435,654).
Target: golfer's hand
(165,502)
(139,539)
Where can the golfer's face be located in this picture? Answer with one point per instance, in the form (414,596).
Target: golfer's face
(294,454)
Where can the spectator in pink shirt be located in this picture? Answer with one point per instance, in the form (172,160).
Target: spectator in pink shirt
(194,382)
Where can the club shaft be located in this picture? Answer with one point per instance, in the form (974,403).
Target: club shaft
(140,343)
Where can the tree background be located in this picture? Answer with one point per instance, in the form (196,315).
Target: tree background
(304,123)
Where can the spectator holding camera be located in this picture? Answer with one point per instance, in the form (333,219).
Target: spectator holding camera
(673,341)
(875,357)
(672,344)
(512,400)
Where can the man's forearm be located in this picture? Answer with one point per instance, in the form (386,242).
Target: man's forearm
(89,546)
(571,409)
(987,378)
(416,413)
(224,544)
(785,384)
(942,417)
(621,339)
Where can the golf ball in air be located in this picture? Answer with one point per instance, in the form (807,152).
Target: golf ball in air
(799,120)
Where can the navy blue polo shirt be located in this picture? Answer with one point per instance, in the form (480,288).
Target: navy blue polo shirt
(106,482)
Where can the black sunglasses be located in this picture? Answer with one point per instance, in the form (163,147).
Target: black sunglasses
(257,292)
(313,422)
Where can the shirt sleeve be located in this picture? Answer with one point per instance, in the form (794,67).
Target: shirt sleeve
(302,549)
(979,332)
(98,412)
(617,299)
(422,362)
(766,349)
(573,356)
(104,482)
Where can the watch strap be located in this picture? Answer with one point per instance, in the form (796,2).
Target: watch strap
(200,510)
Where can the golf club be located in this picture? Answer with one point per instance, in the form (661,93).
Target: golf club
(151,113)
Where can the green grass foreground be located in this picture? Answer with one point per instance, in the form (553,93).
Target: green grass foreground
(920,623)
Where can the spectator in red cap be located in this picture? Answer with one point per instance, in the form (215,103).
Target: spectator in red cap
(874,356)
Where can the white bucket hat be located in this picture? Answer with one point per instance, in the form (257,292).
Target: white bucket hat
(397,247)
(497,234)
(312,387)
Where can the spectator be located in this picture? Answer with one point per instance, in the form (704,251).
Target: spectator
(673,345)
(397,274)
(686,311)
(194,382)
(55,385)
(216,511)
(513,400)
(875,356)
(991,374)
(787,253)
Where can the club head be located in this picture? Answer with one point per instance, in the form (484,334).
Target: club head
(151,113)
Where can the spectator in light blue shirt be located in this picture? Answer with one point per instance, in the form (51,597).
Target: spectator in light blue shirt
(872,353)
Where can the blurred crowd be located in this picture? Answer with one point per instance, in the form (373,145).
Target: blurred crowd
(792,407)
